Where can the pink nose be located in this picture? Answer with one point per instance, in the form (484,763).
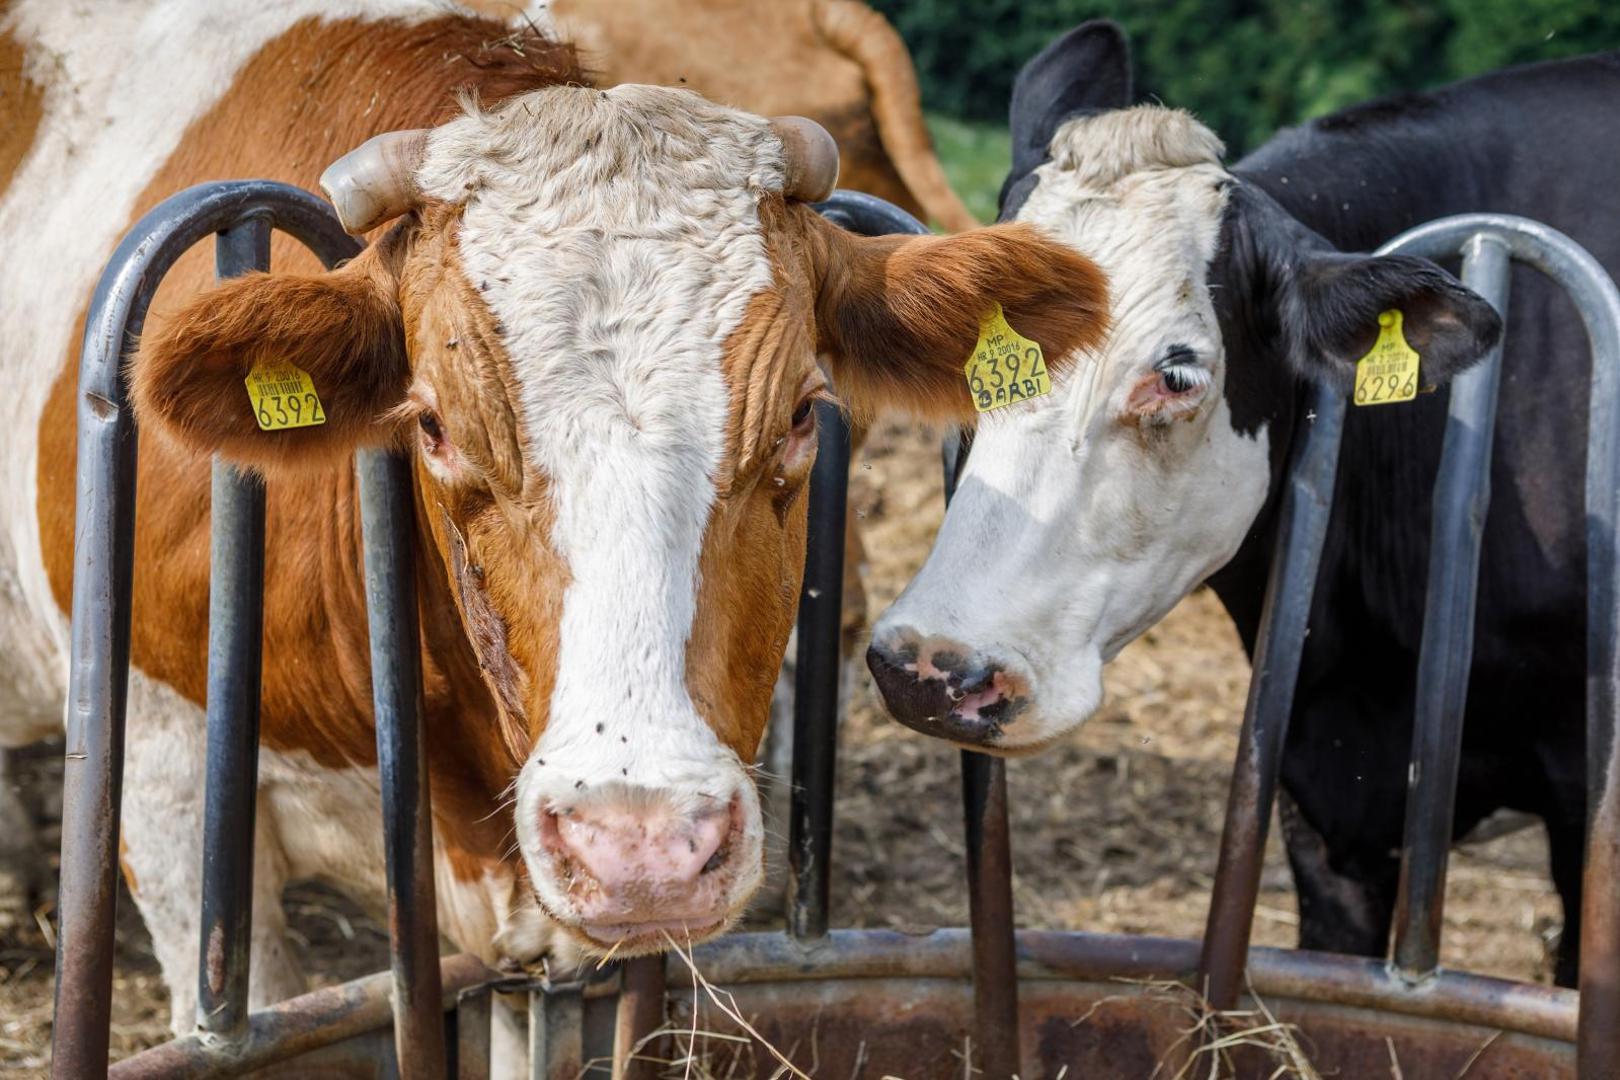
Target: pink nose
(626,863)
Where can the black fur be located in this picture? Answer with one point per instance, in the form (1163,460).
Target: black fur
(1086,70)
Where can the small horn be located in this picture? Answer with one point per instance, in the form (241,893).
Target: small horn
(376,181)
(811,157)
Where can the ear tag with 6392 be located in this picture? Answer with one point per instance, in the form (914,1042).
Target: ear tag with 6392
(1005,366)
(283,396)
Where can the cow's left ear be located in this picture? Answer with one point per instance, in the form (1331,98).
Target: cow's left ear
(899,316)
(1330,315)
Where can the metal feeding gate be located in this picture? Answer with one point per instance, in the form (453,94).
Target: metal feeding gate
(840,1002)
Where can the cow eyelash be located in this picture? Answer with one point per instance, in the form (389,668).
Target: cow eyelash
(1179,380)
(1180,372)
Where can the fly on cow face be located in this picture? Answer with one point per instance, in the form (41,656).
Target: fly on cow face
(598,324)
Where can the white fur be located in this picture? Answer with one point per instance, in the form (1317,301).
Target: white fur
(1074,528)
(616,237)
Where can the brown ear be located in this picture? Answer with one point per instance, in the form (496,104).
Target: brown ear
(900,315)
(342,328)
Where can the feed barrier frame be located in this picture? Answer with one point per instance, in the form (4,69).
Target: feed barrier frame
(440,1009)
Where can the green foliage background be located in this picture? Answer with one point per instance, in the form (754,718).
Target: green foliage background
(1246,67)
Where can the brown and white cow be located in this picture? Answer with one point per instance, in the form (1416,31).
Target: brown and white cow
(595,323)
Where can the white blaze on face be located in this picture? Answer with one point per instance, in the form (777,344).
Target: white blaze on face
(615,236)
(1084,516)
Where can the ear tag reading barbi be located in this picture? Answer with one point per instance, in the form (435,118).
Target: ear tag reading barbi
(283,396)
(1005,366)
(1389,373)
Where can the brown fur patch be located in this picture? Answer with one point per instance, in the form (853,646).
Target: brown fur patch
(21,109)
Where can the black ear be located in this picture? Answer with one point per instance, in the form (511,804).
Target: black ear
(1087,68)
(1330,314)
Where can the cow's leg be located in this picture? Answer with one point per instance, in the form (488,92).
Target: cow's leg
(1346,899)
(1566,843)
(19,849)
(162,853)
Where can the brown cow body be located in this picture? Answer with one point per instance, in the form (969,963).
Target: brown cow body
(596,325)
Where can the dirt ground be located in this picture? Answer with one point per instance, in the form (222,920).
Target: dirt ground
(1116,829)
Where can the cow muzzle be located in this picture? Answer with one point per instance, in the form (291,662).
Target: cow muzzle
(623,866)
(948,690)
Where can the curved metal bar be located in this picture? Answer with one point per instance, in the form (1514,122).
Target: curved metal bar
(868,214)
(103,564)
(1047,956)
(288,1029)
(1231,910)
(1462,496)
(1598,301)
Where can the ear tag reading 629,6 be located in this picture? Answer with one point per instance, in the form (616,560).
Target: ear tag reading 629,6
(283,396)
(1389,373)
(1005,366)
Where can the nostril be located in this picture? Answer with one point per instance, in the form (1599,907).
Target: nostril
(975,680)
(550,831)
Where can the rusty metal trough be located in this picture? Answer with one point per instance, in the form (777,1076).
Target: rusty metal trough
(837,1002)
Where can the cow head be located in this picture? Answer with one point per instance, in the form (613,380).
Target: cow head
(597,325)
(1083,517)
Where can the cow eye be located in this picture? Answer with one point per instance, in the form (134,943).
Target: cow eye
(431,431)
(804,414)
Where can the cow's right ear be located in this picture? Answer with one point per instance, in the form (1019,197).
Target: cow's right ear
(1087,69)
(342,329)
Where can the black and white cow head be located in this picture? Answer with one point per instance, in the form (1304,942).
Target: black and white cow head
(1084,516)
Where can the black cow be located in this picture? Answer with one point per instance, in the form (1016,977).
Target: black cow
(1083,517)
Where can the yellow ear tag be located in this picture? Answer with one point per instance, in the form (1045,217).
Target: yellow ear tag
(283,396)
(1389,373)
(1005,366)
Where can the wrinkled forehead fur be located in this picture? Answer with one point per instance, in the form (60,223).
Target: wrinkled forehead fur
(616,239)
(1142,192)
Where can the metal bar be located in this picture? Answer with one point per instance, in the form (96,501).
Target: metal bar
(820,656)
(235,640)
(641,1012)
(815,691)
(388,524)
(990,913)
(1462,496)
(989,873)
(1307,500)
(1597,1054)
(474,1009)
(1045,956)
(556,1032)
(288,1029)
(104,544)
